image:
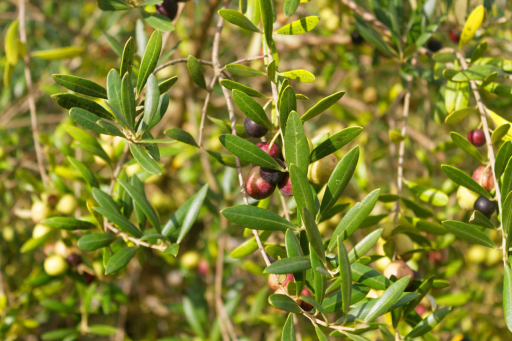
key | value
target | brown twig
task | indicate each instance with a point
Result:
(31, 102)
(401, 148)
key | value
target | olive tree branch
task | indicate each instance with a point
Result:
(401, 149)
(490, 150)
(30, 95)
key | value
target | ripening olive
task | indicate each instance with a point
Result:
(434, 45)
(320, 171)
(168, 8)
(254, 129)
(256, 187)
(285, 186)
(275, 151)
(357, 39)
(403, 245)
(485, 206)
(399, 269)
(273, 176)
(483, 175)
(476, 137)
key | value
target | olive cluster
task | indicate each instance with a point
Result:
(260, 183)
(469, 200)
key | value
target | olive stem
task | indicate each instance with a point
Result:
(490, 150)
(401, 150)
(30, 96)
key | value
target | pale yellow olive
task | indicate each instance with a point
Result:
(190, 260)
(403, 245)
(40, 230)
(370, 95)
(40, 211)
(55, 265)
(466, 198)
(320, 171)
(67, 204)
(399, 269)
(387, 229)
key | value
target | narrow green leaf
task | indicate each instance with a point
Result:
(196, 71)
(247, 151)
(320, 334)
(192, 213)
(477, 72)
(369, 277)
(252, 109)
(226, 160)
(81, 85)
(250, 246)
(149, 60)
(85, 171)
(181, 135)
(244, 70)
(105, 200)
(120, 220)
(322, 106)
(127, 57)
(68, 101)
(67, 223)
(339, 179)
(334, 302)
(345, 275)
(314, 237)
(256, 218)
(238, 19)
(502, 158)
(288, 333)
(458, 115)
(231, 85)
(387, 299)
(289, 265)
(284, 302)
(507, 295)
(334, 142)
(286, 104)
(428, 323)
(92, 242)
(499, 133)
(462, 179)
(299, 26)
(140, 200)
(466, 146)
(468, 233)
(302, 189)
(300, 75)
(293, 249)
(290, 6)
(144, 160)
(59, 53)
(120, 259)
(88, 120)
(354, 217)
(151, 103)
(128, 101)
(296, 145)
(364, 245)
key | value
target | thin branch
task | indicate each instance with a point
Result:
(490, 151)
(31, 102)
(136, 241)
(401, 149)
(180, 60)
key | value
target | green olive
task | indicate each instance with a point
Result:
(55, 265)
